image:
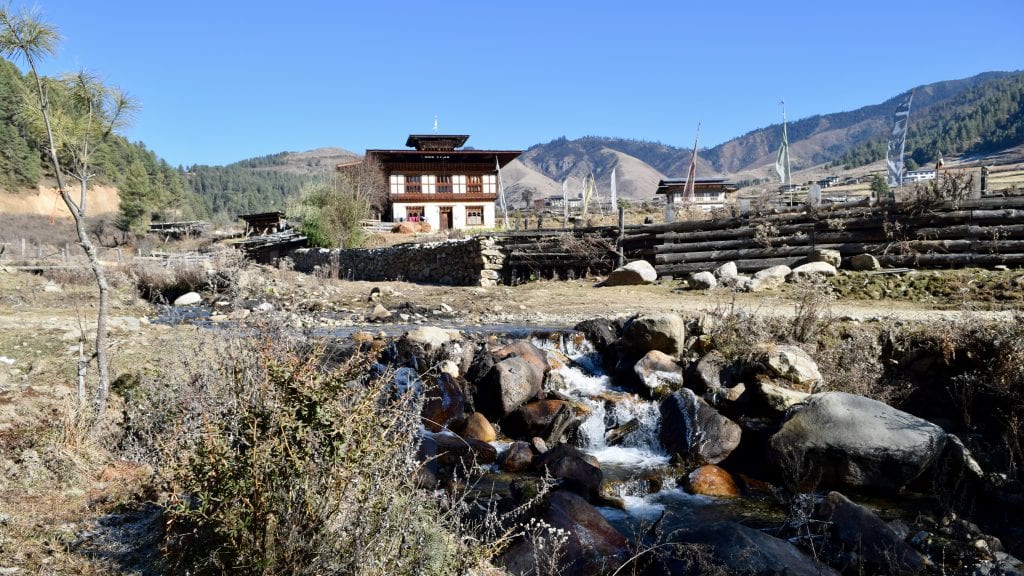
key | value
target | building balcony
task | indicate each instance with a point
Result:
(407, 198)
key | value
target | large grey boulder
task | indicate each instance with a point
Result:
(727, 274)
(748, 551)
(844, 440)
(662, 332)
(863, 262)
(703, 281)
(813, 270)
(767, 279)
(694, 431)
(632, 274)
(549, 420)
(508, 385)
(579, 471)
(431, 338)
(832, 257)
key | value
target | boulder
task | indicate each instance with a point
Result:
(752, 552)
(726, 274)
(812, 270)
(579, 471)
(444, 404)
(663, 332)
(527, 351)
(634, 273)
(453, 450)
(703, 281)
(860, 540)
(517, 458)
(380, 313)
(424, 226)
(825, 255)
(711, 373)
(508, 385)
(601, 332)
(767, 279)
(658, 370)
(864, 262)
(404, 228)
(790, 363)
(592, 546)
(188, 299)
(694, 431)
(550, 420)
(710, 480)
(431, 338)
(841, 439)
(479, 428)
(778, 398)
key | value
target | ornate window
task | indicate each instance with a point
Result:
(475, 185)
(444, 184)
(413, 213)
(474, 215)
(414, 184)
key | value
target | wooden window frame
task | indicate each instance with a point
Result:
(420, 212)
(475, 184)
(470, 218)
(444, 184)
(414, 184)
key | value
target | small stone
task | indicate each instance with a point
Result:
(710, 480)
(52, 287)
(703, 281)
(380, 313)
(188, 299)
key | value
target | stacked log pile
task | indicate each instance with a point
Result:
(982, 232)
(559, 254)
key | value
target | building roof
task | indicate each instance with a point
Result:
(436, 141)
(675, 184)
(503, 156)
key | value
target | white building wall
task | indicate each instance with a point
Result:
(489, 221)
(433, 213)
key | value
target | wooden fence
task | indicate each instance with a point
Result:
(983, 232)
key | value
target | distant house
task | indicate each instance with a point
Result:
(708, 193)
(912, 176)
(554, 201)
(440, 182)
(264, 223)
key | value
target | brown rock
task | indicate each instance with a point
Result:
(479, 428)
(517, 458)
(404, 228)
(710, 480)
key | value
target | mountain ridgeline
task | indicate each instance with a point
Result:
(981, 114)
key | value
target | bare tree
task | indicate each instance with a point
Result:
(86, 112)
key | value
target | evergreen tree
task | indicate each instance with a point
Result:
(135, 194)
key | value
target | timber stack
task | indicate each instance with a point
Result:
(983, 232)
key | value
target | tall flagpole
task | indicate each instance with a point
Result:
(789, 171)
(501, 192)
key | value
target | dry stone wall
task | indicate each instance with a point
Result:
(472, 262)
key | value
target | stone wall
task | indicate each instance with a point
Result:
(475, 261)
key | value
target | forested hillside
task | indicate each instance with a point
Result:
(263, 183)
(985, 118)
(149, 186)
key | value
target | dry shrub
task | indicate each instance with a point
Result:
(284, 460)
(813, 309)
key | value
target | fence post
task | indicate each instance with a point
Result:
(622, 235)
(23, 249)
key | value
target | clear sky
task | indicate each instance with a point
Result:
(221, 81)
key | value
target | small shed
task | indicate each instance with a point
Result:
(264, 223)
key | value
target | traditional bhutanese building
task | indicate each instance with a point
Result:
(708, 193)
(438, 181)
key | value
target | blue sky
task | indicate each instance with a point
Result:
(221, 81)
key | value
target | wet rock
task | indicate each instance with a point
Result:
(790, 363)
(479, 428)
(813, 270)
(632, 274)
(508, 385)
(547, 419)
(748, 551)
(710, 480)
(539, 445)
(616, 435)
(693, 431)
(517, 458)
(841, 439)
(703, 281)
(601, 332)
(188, 299)
(592, 547)
(726, 274)
(461, 453)
(579, 471)
(663, 332)
(444, 404)
(658, 370)
(865, 541)
(864, 262)
(527, 351)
